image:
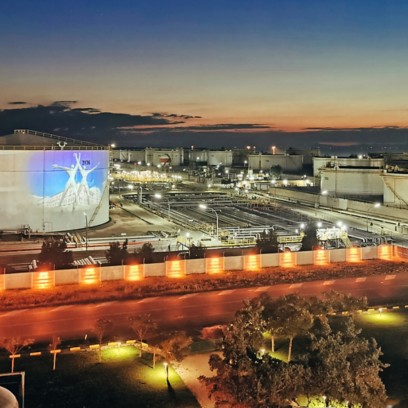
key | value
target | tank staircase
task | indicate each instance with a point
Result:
(98, 207)
(394, 191)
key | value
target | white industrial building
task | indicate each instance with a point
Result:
(210, 157)
(128, 155)
(264, 162)
(151, 156)
(352, 181)
(50, 183)
(364, 177)
(320, 163)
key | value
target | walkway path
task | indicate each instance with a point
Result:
(189, 370)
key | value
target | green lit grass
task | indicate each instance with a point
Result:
(390, 329)
(122, 380)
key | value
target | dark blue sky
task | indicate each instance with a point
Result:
(286, 65)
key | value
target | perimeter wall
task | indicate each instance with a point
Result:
(182, 267)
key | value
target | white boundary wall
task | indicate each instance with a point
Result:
(95, 274)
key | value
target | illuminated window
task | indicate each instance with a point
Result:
(252, 262)
(89, 275)
(321, 257)
(287, 259)
(42, 279)
(134, 272)
(385, 252)
(353, 254)
(176, 268)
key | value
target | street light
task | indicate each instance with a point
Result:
(204, 207)
(86, 233)
(166, 368)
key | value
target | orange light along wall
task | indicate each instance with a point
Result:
(353, 254)
(3, 282)
(89, 275)
(385, 252)
(43, 279)
(214, 265)
(133, 272)
(321, 257)
(252, 262)
(287, 259)
(176, 268)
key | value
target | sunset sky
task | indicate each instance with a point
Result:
(280, 65)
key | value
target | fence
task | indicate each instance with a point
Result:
(93, 274)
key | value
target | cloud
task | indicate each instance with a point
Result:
(176, 115)
(64, 103)
(160, 129)
(17, 103)
(84, 123)
(224, 127)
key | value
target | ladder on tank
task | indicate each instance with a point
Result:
(388, 184)
(98, 207)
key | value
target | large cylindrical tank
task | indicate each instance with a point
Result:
(7, 399)
(54, 190)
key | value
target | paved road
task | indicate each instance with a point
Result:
(191, 311)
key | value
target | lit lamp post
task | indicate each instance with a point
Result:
(204, 207)
(86, 233)
(166, 368)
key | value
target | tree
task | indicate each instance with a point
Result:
(14, 345)
(145, 253)
(196, 251)
(344, 366)
(175, 345)
(55, 342)
(142, 324)
(101, 327)
(336, 361)
(271, 317)
(294, 317)
(54, 252)
(267, 242)
(117, 253)
(309, 240)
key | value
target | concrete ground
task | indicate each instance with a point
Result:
(189, 370)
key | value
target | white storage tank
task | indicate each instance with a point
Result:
(395, 189)
(59, 186)
(352, 181)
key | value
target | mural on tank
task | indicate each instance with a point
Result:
(52, 190)
(70, 179)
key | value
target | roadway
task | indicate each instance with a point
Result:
(189, 311)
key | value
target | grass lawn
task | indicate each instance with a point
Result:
(390, 329)
(121, 380)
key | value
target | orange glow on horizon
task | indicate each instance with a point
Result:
(176, 268)
(42, 279)
(89, 276)
(134, 272)
(214, 265)
(287, 259)
(353, 254)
